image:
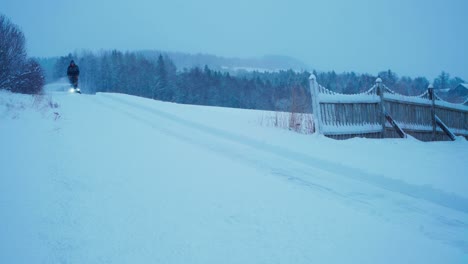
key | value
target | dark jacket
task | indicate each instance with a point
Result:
(73, 71)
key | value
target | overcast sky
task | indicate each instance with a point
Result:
(415, 38)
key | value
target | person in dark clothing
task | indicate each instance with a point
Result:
(73, 72)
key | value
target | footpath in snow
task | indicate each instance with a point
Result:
(121, 179)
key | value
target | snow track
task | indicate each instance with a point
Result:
(421, 192)
(319, 175)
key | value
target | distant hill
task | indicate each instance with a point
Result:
(268, 63)
(264, 63)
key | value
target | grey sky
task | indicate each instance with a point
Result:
(415, 38)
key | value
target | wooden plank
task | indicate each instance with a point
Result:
(445, 128)
(449, 108)
(397, 128)
(405, 102)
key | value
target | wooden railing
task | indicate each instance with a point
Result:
(380, 112)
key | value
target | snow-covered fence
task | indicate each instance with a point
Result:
(380, 112)
(345, 115)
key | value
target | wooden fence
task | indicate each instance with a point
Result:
(380, 112)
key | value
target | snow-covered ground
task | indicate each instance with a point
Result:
(111, 178)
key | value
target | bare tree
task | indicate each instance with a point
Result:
(30, 80)
(12, 52)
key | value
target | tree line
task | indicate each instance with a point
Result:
(133, 73)
(158, 78)
(18, 73)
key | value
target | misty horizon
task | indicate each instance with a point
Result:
(299, 65)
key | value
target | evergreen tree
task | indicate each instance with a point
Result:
(160, 89)
(442, 81)
(389, 78)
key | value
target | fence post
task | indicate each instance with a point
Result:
(314, 93)
(380, 92)
(430, 90)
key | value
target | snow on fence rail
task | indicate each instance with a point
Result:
(380, 112)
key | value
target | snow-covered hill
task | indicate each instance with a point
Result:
(111, 178)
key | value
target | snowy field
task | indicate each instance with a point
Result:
(111, 178)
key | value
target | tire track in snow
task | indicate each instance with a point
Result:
(316, 174)
(427, 193)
